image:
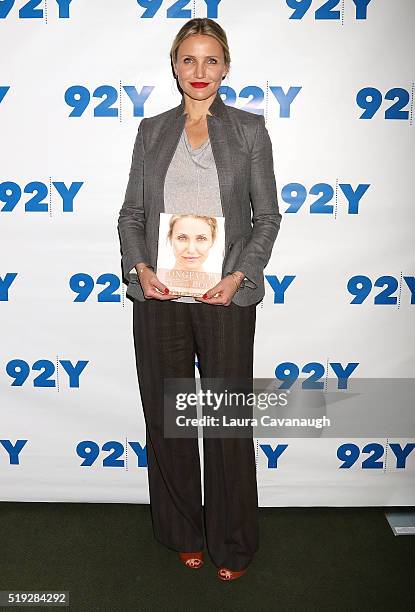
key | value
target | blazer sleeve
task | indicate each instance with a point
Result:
(266, 217)
(131, 220)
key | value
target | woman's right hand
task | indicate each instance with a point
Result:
(152, 287)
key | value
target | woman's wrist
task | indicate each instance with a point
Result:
(141, 267)
(238, 277)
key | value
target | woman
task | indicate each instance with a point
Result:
(201, 157)
(191, 238)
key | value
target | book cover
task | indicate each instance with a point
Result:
(190, 252)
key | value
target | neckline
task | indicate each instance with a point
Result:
(189, 146)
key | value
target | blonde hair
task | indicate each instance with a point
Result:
(211, 221)
(201, 25)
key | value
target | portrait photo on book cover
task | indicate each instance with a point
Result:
(190, 252)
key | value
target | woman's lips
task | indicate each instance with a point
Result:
(199, 85)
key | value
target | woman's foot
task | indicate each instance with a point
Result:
(194, 560)
(226, 574)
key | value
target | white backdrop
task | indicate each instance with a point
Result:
(70, 71)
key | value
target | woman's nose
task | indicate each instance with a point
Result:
(191, 247)
(200, 70)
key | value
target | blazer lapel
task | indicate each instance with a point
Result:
(219, 140)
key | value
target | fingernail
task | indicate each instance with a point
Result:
(204, 296)
(166, 290)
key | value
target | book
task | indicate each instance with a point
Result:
(190, 252)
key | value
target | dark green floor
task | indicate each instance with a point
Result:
(318, 559)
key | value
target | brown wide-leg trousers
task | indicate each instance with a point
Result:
(167, 337)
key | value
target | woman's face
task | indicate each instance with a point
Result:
(191, 241)
(200, 61)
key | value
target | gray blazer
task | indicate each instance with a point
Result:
(242, 150)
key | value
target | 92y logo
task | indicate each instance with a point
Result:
(370, 99)
(394, 291)
(79, 97)
(296, 195)
(20, 370)
(11, 195)
(12, 450)
(3, 91)
(33, 9)
(177, 9)
(326, 10)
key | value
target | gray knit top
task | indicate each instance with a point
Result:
(192, 184)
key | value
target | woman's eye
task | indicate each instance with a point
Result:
(201, 238)
(186, 60)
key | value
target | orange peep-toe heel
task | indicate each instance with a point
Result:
(226, 574)
(194, 560)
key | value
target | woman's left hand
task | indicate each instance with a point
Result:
(223, 292)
